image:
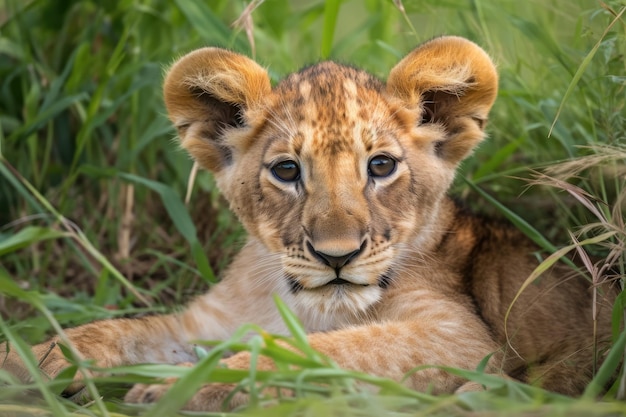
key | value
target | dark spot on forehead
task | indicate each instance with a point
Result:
(334, 147)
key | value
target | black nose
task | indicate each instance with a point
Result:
(335, 262)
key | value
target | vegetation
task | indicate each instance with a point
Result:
(97, 218)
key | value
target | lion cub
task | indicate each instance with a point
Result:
(340, 180)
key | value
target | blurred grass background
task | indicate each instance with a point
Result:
(93, 217)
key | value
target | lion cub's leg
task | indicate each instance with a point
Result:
(396, 349)
(151, 339)
(109, 343)
(444, 333)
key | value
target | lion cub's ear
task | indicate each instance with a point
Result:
(208, 91)
(453, 82)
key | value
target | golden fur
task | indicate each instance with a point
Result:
(340, 181)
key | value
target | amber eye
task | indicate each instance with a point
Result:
(287, 171)
(381, 166)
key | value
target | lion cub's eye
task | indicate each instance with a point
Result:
(287, 171)
(381, 166)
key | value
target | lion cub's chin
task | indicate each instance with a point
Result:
(330, 306)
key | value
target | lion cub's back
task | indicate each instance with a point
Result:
(544, 322)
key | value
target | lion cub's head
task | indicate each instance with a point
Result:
(339, 173)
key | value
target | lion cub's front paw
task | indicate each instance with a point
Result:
(470, 386)
(151, 393)
(147, 393)
(211, 397)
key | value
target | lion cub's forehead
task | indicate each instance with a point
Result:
(330, 108)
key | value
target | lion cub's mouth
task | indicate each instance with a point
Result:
(341, 281)
(296, 286)
(340, 284)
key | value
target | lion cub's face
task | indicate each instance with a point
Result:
(336, 172)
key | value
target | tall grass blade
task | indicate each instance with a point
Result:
(212, 30)
(180, 216)
(607, 371)
(44, 115)
(27, 237)
(520, 223)
(12, 176)
(581, 69)
(297, 331)
(331, 11)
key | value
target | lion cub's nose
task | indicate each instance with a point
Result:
(336, 260)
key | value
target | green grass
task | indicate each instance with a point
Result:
(93, 217)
